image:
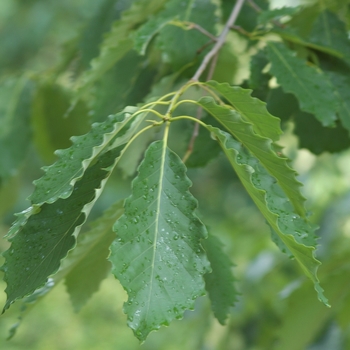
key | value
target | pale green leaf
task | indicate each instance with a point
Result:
(15, 106)
(294, 231)
(59, 178)
(157, 255)
(307, 83)
(220, 282)
(261, 147)
(251, 109)
(276, 14)
(39, 245)
(118, 41)
(87, 265)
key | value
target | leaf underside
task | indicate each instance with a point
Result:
(261, 147)
(38, 247)
(294, 233)
(157, 255)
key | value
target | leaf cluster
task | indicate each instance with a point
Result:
(140, 77)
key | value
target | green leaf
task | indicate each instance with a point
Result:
(340, 81)
(157, 255)
(315, 137)
(87, 265)
(220, 282)
(328, 30)
(258, 79)
(251, 109)
(52, 128)
(15, 106)
(281, 104)
(261, 147)
(59, 178)
(97, 26)
(179, 46)
(294, 231)
(38, 247)
(308, 84)
(276, 14)
(145, 33)
(118, 41)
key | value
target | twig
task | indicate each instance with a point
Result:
(220, 40)
(196, 26)
(199, 113)
(256, 7)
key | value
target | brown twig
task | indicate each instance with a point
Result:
(199, 113)
(196, 26)
(220, 40)
(256, 7)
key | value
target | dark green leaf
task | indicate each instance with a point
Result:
(38, 247)
(220, 282)
(157, 256)
(307, 83)
(258, 79)
(281, 104)
(52, 125)
(315, 137)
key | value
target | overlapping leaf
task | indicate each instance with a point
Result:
(251, 109)
(220, 282)
(38, 247)
(328, 30)
(15, 106)
(157, 255)
(294, 231)
(261, 147)
(59, 178)
(51, 128)
(118, 41)
(308, 84)
(87, 265)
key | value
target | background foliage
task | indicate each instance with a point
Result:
(65, 65)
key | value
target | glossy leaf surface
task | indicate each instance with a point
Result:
(157, 255)
(38, 247)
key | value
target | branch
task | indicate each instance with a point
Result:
(221, 40)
